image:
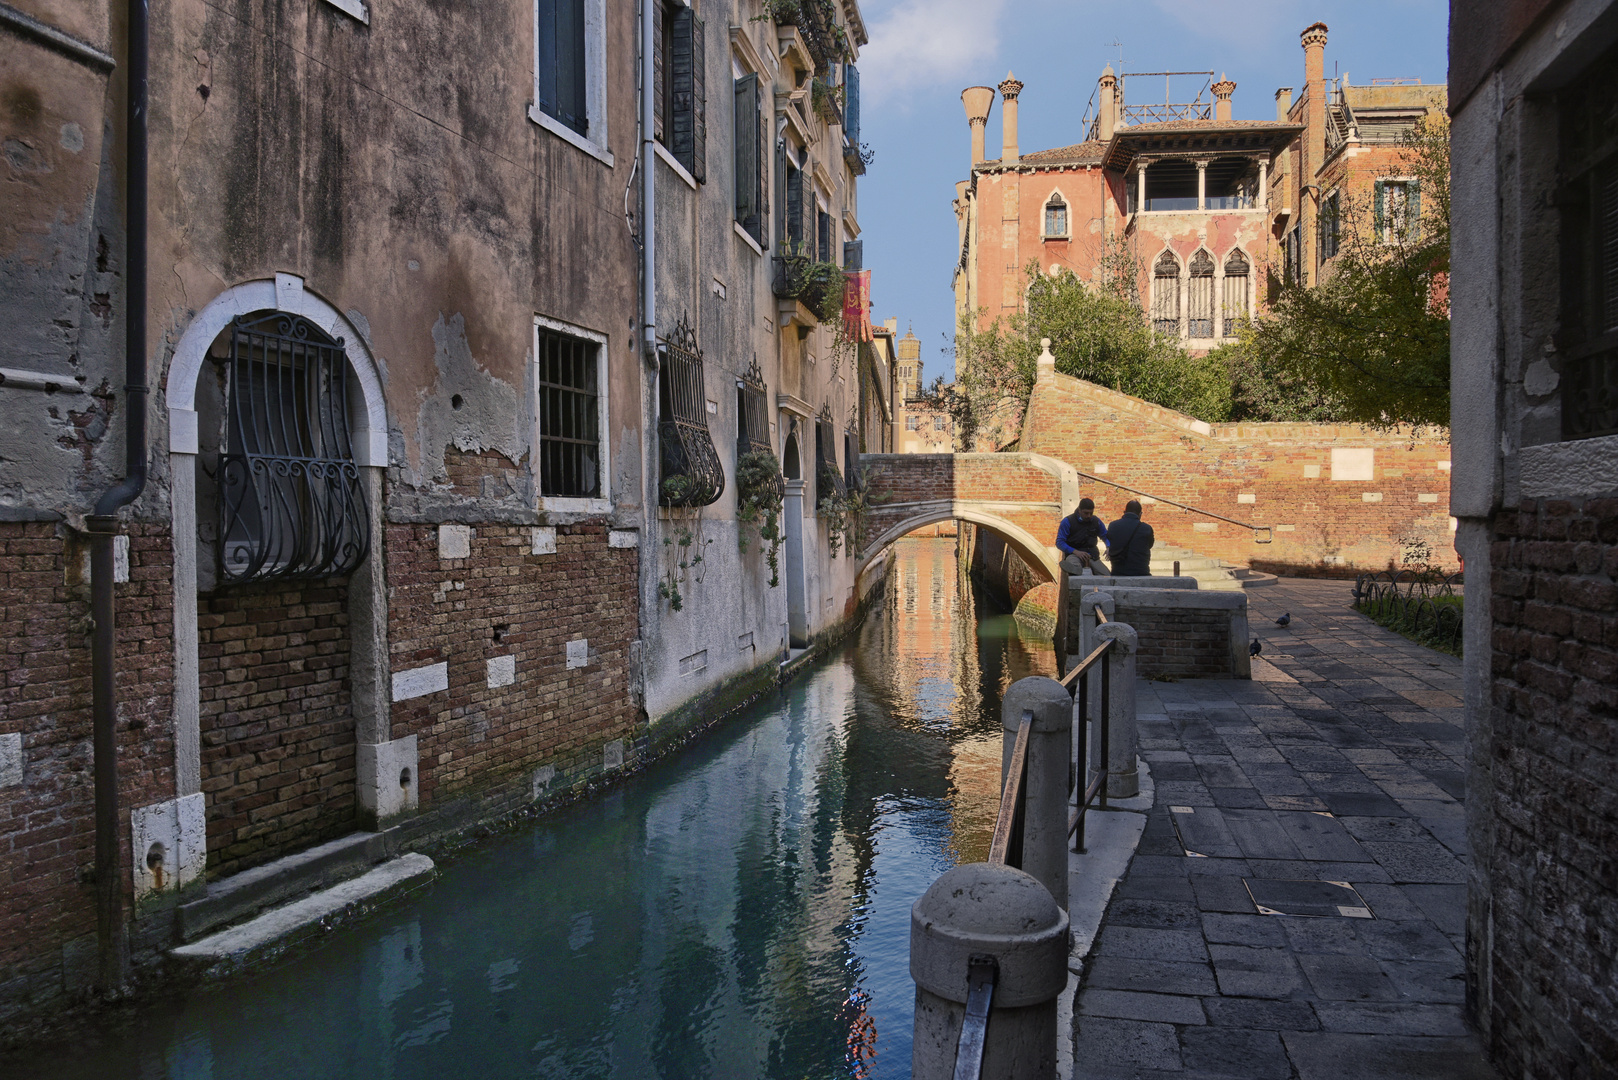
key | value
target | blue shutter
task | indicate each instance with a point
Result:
(851, 106)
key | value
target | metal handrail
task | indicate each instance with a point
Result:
(1006, 847)
(1267, 530)
(981, 974)
(1101, 616)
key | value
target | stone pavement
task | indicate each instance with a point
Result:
(1328, 788)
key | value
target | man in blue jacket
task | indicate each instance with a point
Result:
(1078, 537)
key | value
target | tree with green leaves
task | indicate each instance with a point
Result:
(1370, 342)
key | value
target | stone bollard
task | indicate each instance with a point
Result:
(996, 911)
(1123, 779)
(1050, 744)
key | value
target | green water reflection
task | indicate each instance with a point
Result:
(739, 910)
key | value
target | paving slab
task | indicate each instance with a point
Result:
(1338, 772)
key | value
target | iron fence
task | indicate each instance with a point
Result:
(1422, 603)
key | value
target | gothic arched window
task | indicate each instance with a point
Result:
(1200, 303)
(1166, 294)
(1056, 217)
(1235, 299)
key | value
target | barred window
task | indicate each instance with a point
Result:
(752, 413)
(291, 505)
(828, 478)
(1166, 294)
(1200, 303)
(690, 471)
(1236, 274)
(1588, 339)
(569, 415)
(1330, 226)
(1292, 255)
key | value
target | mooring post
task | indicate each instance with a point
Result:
(1123, 736)
(973, 915)
(1050, 743)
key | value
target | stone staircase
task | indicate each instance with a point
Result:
(1211, 573)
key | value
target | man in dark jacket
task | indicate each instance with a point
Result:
(1078, 537)
(1129, 543)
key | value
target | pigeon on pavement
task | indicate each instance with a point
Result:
(1255, 648)
(1284, 620)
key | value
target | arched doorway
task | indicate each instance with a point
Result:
(792, 523)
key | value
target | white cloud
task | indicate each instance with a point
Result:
(923, 44)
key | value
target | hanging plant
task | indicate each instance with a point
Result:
(684, 544)
(844, 510)
(759, 493)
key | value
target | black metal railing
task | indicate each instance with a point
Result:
(1087, 789)
(1424, 604)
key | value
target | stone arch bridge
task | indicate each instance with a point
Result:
(1020, 497)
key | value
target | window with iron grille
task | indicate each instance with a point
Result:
(559, 70)
(691, 474)
(752, 413)
(1588, 337)
(679, 96)
(1292, 255)
(569, 415)
(828, 478)
(1236, 274)
(291, 504)
(1166, 294)
(1200, 299)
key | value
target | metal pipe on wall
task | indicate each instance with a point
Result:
(111, 931)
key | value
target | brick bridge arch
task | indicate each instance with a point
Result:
(1021, 497)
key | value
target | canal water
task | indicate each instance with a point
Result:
(740, 909)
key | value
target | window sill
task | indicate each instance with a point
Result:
(558, 505)
(748, 238)
(674, 163)
(1056, 239)
(567, 134)
(355, 8)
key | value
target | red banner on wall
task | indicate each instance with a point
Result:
(857, 304)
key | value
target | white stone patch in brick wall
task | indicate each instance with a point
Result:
(578, 653)
(11, 759)
(1371, 496)
(1453, 525)
(542, 780)
(612, 755)
(1443, 466)
(421, 681)
(623, 538)
(1333, 560)
(502, 670)
(120, 561)
(544, 540)
(1286, 528)
(455, 541)
(1427, 498)
(1311, 472)
(1247, 497)
(1101, 468)
(1204, 526)
(1353, 463)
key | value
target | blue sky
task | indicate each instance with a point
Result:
(923, 53)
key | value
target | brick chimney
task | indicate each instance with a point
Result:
(1109, 104)
(1283, 103)
(1314, 74)
(1008, 120)
(1222, 91)
(978, 101)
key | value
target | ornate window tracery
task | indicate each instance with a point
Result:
(1200, 305)
(1235, 298)
(1166, 294)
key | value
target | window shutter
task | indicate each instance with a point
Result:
(780, 197)
(1413, 210)
(824, 236)
(688, 133)
(854, 255)
(794, 237)
(851, 106)
(747, 150)
(660, 78)
(559, 65)
(1377, 213)
(763, 116)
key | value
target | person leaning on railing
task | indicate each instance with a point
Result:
(1129, 543)
(1079, 536)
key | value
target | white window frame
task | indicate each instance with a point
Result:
(568, 504)
(595, 85)
(1067, 214)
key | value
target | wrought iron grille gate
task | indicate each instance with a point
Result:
(291, 501)
(691, 472)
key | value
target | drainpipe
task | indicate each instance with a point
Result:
(648, 177)
(111, 932)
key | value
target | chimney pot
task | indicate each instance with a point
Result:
(1283, 103)
(1108, 122)
(978, 100)
(1008, 120)
(1222, 91)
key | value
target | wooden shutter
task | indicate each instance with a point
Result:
(1413, 210)
(688, 131)
(780, 197)
(823, 237)
(1377, 212)
(794, 236)
(747, 151)
(851, 105)
(854, 255)
(660, 78)
(559, 65)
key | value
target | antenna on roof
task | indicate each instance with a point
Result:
(1120, 47)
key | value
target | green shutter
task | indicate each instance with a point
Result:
(747, 150)
(1413, 210)
(780, 196)
(688, 133)
(793, 236)
(1376, 218)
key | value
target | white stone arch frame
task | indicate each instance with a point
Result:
(377, 755)
(1041, 556)
(1215, 284)
(1219, 285)
(1056, 195)
(1181, 282)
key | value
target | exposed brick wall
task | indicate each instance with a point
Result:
(502, 601)
(897, 480)
(1180, 644)
(1323, 525)
(47, 826)
(277, 730)
(1554, 871)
